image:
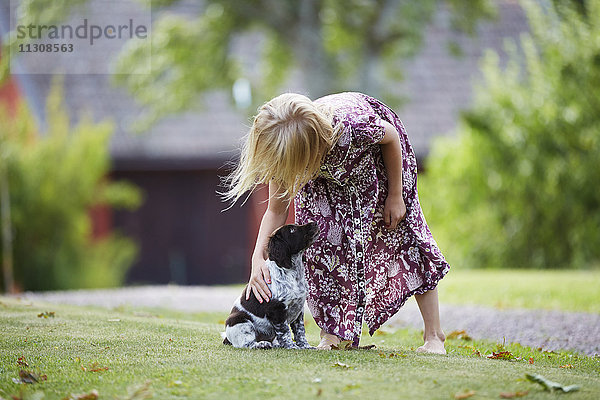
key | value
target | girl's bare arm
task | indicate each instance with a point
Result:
(274, 217)
(394, 209)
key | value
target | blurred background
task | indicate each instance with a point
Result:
(110, 176)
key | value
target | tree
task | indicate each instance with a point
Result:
(335, 45)
(519, 186)
(53, 181)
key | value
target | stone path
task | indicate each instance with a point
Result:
(551, 330)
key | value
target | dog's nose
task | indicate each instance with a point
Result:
(313, 227)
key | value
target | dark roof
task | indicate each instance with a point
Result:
(437, 85)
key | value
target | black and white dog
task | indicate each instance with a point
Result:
(264, 325)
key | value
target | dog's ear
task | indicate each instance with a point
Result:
(279, 252)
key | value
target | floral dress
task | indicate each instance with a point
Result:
(357, 269)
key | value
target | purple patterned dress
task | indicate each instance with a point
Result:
(358, 269)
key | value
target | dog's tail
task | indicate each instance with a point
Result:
(225, 340)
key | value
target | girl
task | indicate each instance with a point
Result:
(346, 162)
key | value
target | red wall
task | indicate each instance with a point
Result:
(9, 94)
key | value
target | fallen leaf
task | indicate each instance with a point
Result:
(343, 345)
(550, 385)
(319, 392)
(464, 395)
(391, 355)
(566, 366)
(94, 367)
(368, 347)
(501, 355)
(30, 377)
(93, 395)
(512, 395)
(546, 351)
(459, 335)
(46, 314)
(341, 365)
(22, 362)
(530, 360)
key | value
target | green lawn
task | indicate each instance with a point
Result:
(566, 290)
(167, 355)
(556, 290)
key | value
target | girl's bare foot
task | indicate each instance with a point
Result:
(434, 343)
(430, 310)
(327, 341)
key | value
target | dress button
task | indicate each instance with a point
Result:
(352, 188)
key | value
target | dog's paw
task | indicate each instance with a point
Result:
(289, 345)
(304, 346)
(262, 345)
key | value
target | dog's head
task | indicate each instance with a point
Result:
(290, 240)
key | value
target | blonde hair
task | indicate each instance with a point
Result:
(286, 144)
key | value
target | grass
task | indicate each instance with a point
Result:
(573, 290)
(170, 355)
(564, 290)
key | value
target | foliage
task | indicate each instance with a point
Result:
(54, 181)
(332, 44)
(518, 188)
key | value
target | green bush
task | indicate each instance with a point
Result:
(54, 179)
(519, 186)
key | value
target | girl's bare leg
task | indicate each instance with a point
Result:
(430, 311)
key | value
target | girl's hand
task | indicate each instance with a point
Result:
(259, 277)
(394, 211)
